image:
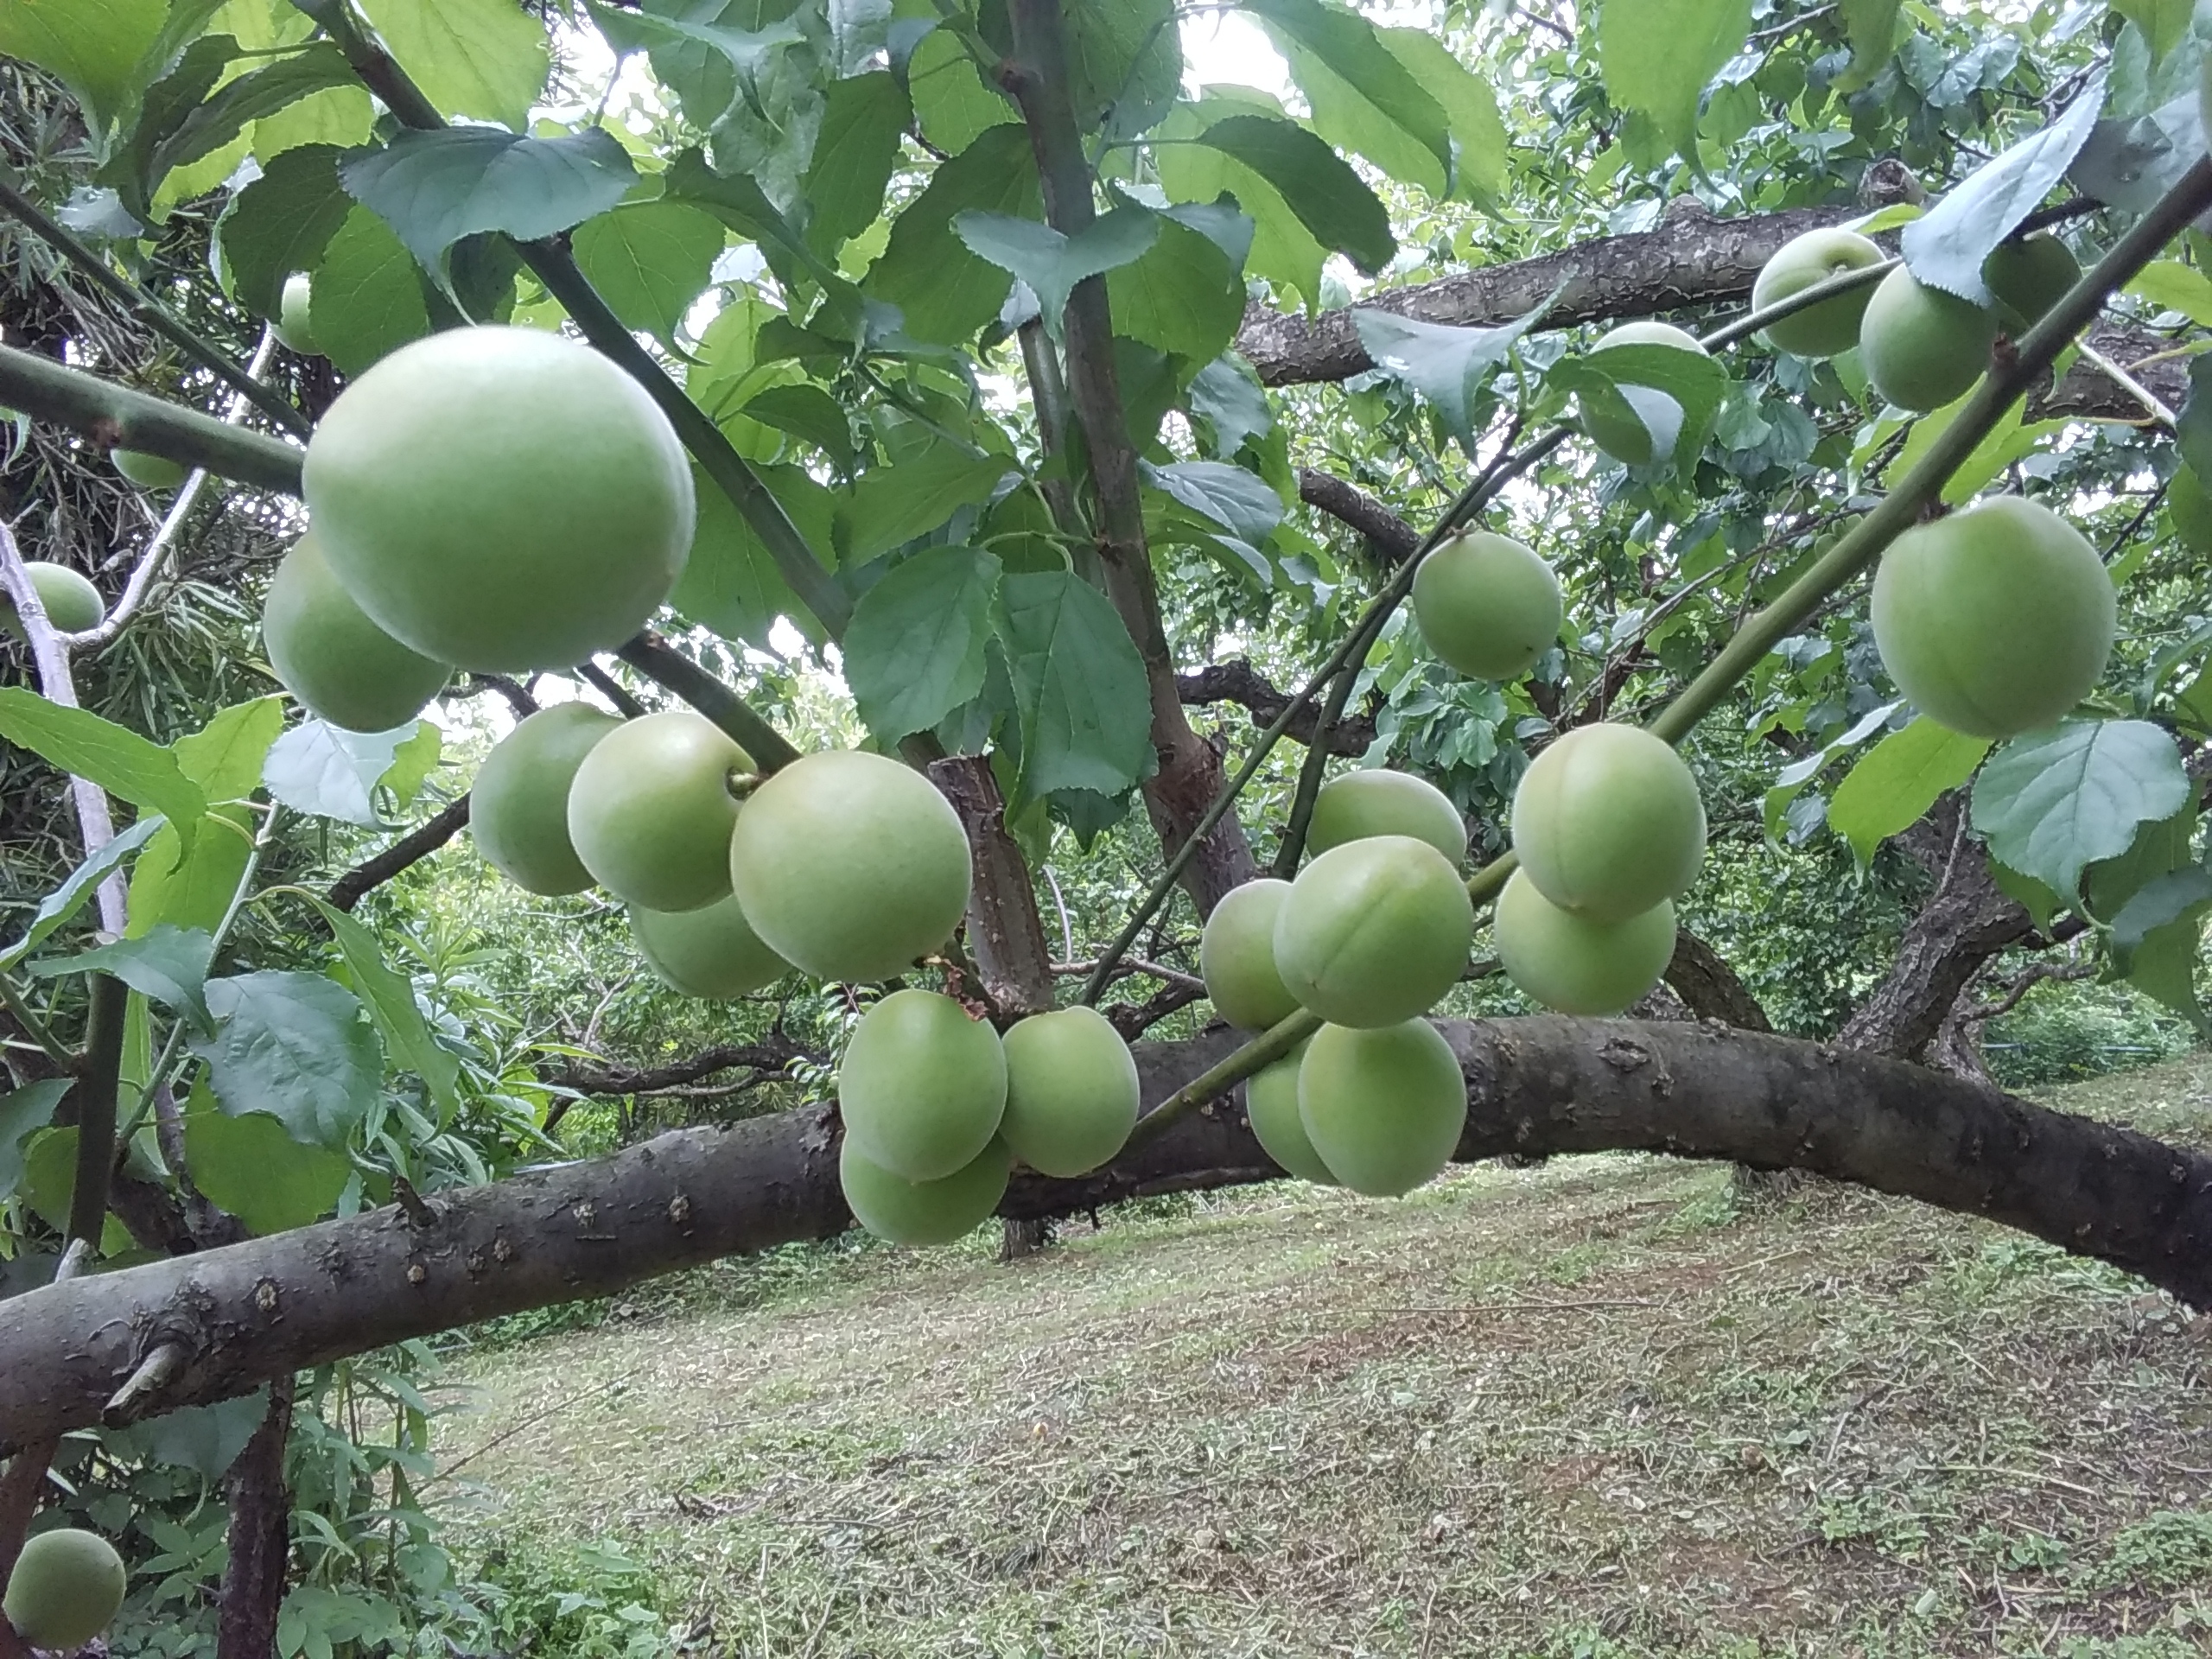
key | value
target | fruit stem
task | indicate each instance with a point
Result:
(115, 415)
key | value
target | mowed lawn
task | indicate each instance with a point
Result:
(1593, 1407)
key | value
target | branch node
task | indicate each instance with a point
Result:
(137, 1395)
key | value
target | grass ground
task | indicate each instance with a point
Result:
(1590, 1408)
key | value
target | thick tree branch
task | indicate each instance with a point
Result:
(260, 1539)
(349, 889)
(768, 1057)
(1236, 681)
(1709, 988)
(1005, 931)
(1393, 539)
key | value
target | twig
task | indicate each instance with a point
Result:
(658, 661)
(2127, 383)
(111, 415)
(349, 889)
(1129, 965)
(612, 689)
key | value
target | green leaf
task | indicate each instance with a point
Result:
(413, 761)
(390, 998)
(165, 105)
(2051, 803)
(436, 188)
(275, 86)
(854, 153)
(2174, 286)
(953, 102)
(1052, 263)
(281, 223)
(484, 57)
(1656, 56)
(1078, 686)
(914, 650)
(2164, 23)
(1125, 64)
(206, 1440)
(650, 261)
(58, 907)
(1283, 251)
(94, 47)
(739, 203)
(1894, 783)
(1446, 364)
(1363, 98)
(806, 411)
(368, 294)
(318, 769)
(249, 1166)
(1477, 131)
(1182, 295)
(1945, 247)
(891, 506)
(225, 757)
(168, 965)
(294, 1045)
(192, 889)
(746, 51)
(49, 1182)
(1675, 393)
(114, 757)
(24, 1112)
(1229, 398)
(1871, 26)
(1241, 502)
(1330, 201)
(944, 292)
(730, 584)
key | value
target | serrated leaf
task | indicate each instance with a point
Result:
(650, 261)
(2161, 900)
(390, 998)
(2051, 803)
(295, 1046)
(730, 583)
(168, 965)
(1330, 200)
(1183, 295)
(1656, 56)
(891, 506)
(225, 757)
(207, 1440)
(2164, 23)
(1478, 139)
(1228, 397)
(914, 649)
(2129, 162)
(1446, 364)
(249, 1166)
(24, 1112)
(281, 223)
(433, 189)
(484, 57)
(952, 101)
(58, 907)
(1078, 687)
(192, 889)
(1894, 783)
(1677, 394)
(745, 50)
(806, 411)
(1125, 64)
(114, 757)
(944, 291)
(278, 84)
(1282, 250)
(858, 145)
(166, 105)
(1242, 503)
(2173, 286)
(318, 769)
(1363, 98)
(94, 47)
(368, 293)
(1052, 263)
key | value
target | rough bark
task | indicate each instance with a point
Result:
(265, 1307)
(1236, 681)
(1390, 537)
(1005, 933)
(1708, 987)
(260, 1536)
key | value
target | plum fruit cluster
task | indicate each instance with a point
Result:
(67, 1587)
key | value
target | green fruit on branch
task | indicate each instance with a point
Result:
(1236, 956)
(2189, 509)
(501, 499)
(294, 323)
(1996, 621)
(1573, 964)
(1487, 605)
(1608, 822)
(710, 952)
(850, 864)
(67, 1587)
(650, 812)
(1271, 1106)
(1616, 430)
(922, 1087)
(2028, 277)
(72, 604)
(1379, 802)
(148, 472)
(1385, 1109)
(1071, 1092)
(1374, 932)
(1922, 347)
(922, 1212)
(518, 805)
(339, 664)
(1831, 326)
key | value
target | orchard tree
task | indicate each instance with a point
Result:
(975, 352)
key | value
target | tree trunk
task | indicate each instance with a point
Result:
(260, 1536)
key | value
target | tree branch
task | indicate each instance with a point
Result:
(769, 1056)
(1005, 931)
(349, 889)
(1393, 539)
(1236, 681)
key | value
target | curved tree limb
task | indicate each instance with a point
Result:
(349, 889)
(1236, 681)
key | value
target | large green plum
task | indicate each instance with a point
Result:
(1374, 932)
(2028, 277)
(1572, 964)
(72, 604)
(518, 806)
(1995, 620)
(1271, 1105)
(922, 1087)
(850, 864)
(649, 812)
(1383, 1108)
(1236, 956)
(295, 323)
(709, 952)
(1070, 1092)
(67, 1587)
(1379, 802)
(1923, 347)
(922, 1212)
(1617, 431)
(148, 472)
(1831, 326)
(1487, 605)
(340, 665)
(1608, 822)
(501, 499)
(2189, 509)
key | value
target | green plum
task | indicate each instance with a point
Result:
(1831, 326)
(67, 1587)
(922, 1087)
(72, 604)
(941, 1211)
(1374, 932)
(1572, 964)
(1616, 430)
(650, 812)
(1379, 802)
(518, 806)
(1384, 1108)
(2028, 277)
(1608, 822)
(339, 664)
(1923, 347)
(148, 472)
(1487, 605)
(1236, 956)
(711, 952)
(1071, 1094)
(1271, 1106)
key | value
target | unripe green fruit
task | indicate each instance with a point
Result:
(340, 665)
(66, 1588)
(2029, 278)
(148, 472)
(1996, 621)
(501, 499)
(850, 864)
(1271, 1105)
(710, 952)
(2190, 511)
(1487, 605)
(1608, 822)
(649, 812)
(1374, 932)
(1383, 1108)
(922, 1087)
(1071, 1093)
(922, 1212)
(294, 324)
(72, 604)
(1923, 347)
(1832, 326)
(1379, 802)
(1572, 964)
(1618, 432)
(1236, 956)
(518, 806)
